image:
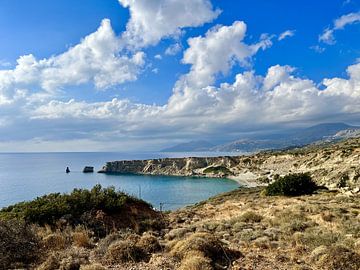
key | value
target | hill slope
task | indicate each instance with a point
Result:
(330, 164)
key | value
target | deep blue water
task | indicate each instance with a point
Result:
(24, 176)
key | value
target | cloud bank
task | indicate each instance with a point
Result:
(34, 111)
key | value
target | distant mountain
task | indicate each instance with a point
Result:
(299, 137)
(249, 145)
(318, 132)
(192, 146)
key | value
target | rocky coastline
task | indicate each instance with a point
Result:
(331, 165)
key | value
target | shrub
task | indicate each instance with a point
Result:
(250, 217)
(292, 185)
(148, 243)
(315, 237)
(195, 260)
(124, 251)
(104, 243)
(54, 241)
(339, 257)
(217, 169)
(208, 245)
(69, 259)
(18, 244)
(81, 239)
(50, 208)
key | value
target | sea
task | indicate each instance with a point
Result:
(25, 176)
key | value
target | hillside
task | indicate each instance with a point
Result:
(330, 164)
(243, 229)
(238, 230)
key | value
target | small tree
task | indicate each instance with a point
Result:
(292, 185)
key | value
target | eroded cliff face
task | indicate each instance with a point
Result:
(332, 165)
(192, 166)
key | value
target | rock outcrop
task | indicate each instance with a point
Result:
(332, 165)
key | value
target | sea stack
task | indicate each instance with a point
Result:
(88, 169)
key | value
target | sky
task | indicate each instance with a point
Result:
(140, 75)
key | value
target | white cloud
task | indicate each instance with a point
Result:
(218, 51)
(95, 59)
(287, 33)
(328, 35)
(173, 49)
(150, 21)
(32, 110)
(158, 57)
(250, 102)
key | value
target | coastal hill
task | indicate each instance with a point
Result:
(330, 164)
(245, 229)
(292, 138)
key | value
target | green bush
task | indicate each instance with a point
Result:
(292, 185)
(50, 208)
(217, 169)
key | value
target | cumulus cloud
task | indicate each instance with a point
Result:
(29, 92)
(95, 60)
(328, 35)
(200, 107)
(150, 21)
(287, 33)
(218, 51)
(251, 101)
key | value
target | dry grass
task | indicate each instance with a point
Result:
(95, 266)
(149, 243)
(248, 217)
(81, 239)
(124, 251)
(68, 259)
(54, 241)
(338, 257)
(206, 244)
(275, 233)
(195, 260)
(202, 242)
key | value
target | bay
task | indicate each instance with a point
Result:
(24, 176)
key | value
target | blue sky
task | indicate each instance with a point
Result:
(116, 86)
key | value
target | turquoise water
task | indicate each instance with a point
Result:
(24, 176)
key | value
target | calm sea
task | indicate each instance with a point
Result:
(24, 176)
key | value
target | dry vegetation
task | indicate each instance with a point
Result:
(320, 231)
(242, 229)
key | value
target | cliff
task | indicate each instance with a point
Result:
(333, 165)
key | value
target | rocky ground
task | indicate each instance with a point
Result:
(241, 229)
